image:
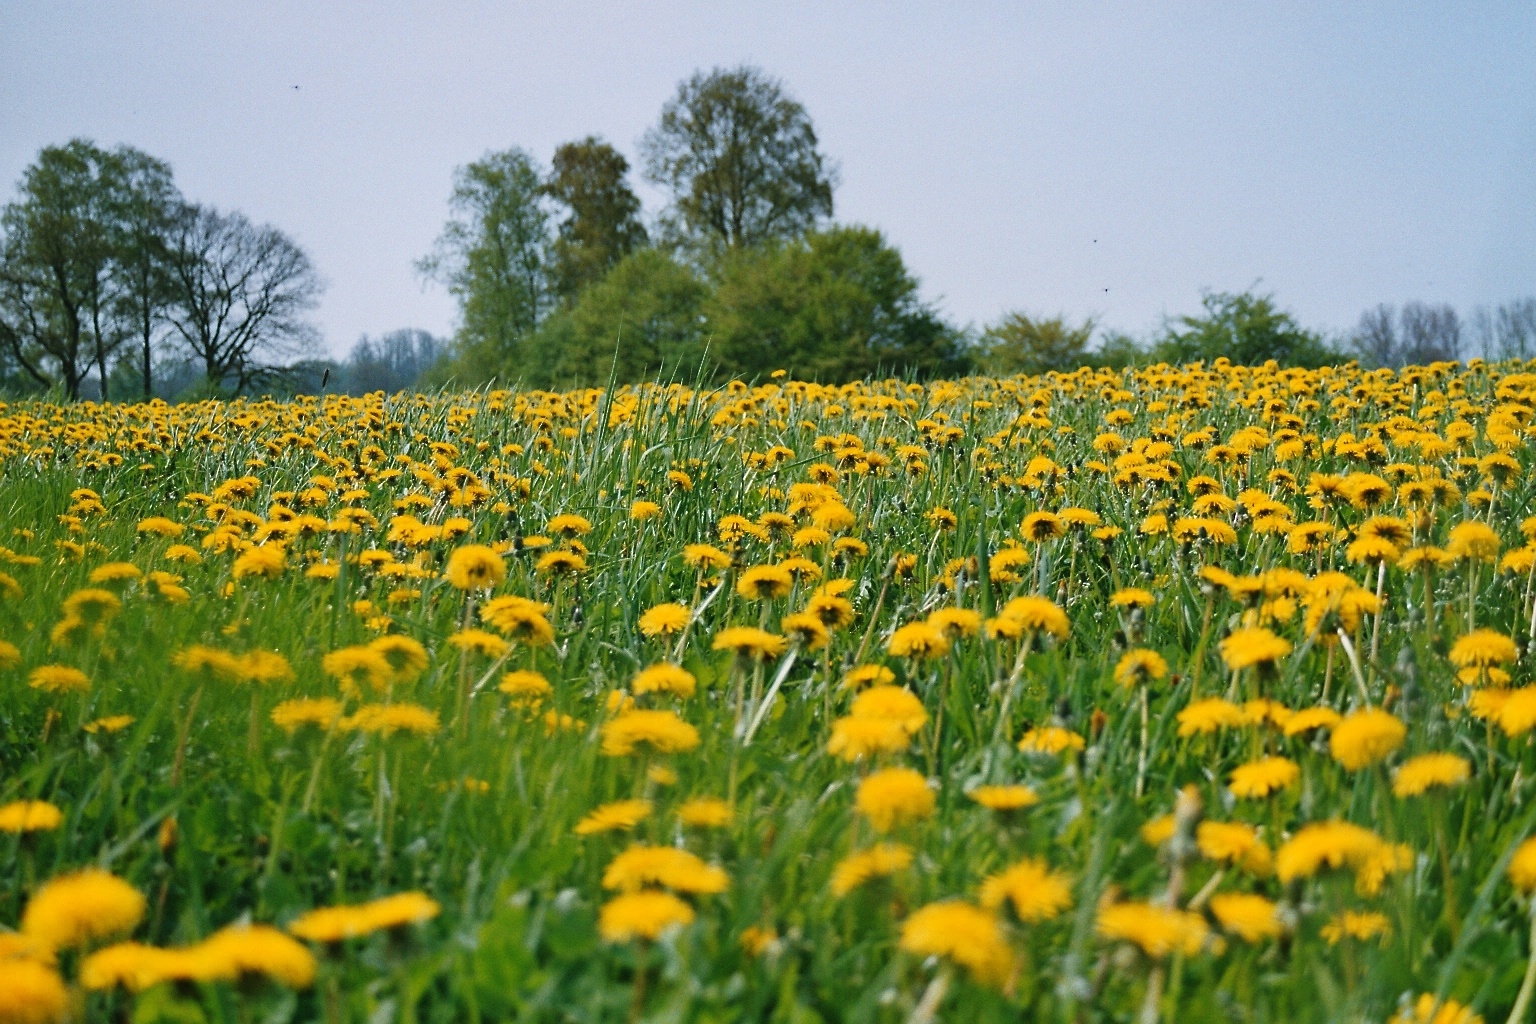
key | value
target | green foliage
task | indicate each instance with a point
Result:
(1021, 344)
(835, 305)
(643, 320)
(1246, 328)
(588, 178)
(740, 159)
(494, 255)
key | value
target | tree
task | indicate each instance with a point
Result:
(642, 321)
(740, 159)
(239, 293)
(1416, 334)
(56, 266)
(494, 256)
(144, 217)
(603, 225)
(1431, 333)
(1509, 332)
(394, 362)
(834, 305)
(1247, 329)
(1375, 339)
(1021, 344)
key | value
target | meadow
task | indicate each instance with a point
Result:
(1176, 693)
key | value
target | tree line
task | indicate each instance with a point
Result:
(104, 266)
(112, 284)
(560, 281)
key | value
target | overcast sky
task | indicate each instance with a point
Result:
(1092, 159)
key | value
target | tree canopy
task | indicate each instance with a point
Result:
(740, 159)
(602, 225)
(1246, 328)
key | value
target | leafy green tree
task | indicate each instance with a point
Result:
(741, 161)
(642, 321)
(145, 213)
(603, 221)
(1246, 328)
(56, 266)
(833, 305)
(1019, 343)
(495, 257)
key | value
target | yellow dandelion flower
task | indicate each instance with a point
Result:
(1427, 771)
(1254, 646)
(705, 812)
(894, 796)
(21, 816)
(87, 906)
(58, 679)
(967, 935)
(1051, 740)
(1157, 930)
(1366, 737)
(665, 620)
(644, 915)
(1139, 667)
(1355, 924)
(665, 866)
(1203, 717)
(662, 731)
(879, 861)
(1035, 892)
(918, 640)
(1250, 917)
(1258, 779)
(621, 815)
(475, 567)
(1004, 798)
(749, 642)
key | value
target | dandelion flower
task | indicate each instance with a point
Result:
(1253, 647)
(1157, 930)
(58, 679)
(76, 909)
(764, 583)
(891, 703)
(1037, 615)
(665, 866)
(1250, 917)
(664, 620)
(1354, 924)
(1233, 842)
(1366, 737)
(1203, 717)
(879, 861)
(1051, 740)
(861, 676)
(662, 731)
(265, 560)
(1418, 774)
(705, 812)
(1522, 867)
(749, 642)
(1429, 1010)
(22, 816)
(645, 915)
(1258, 779)
(322, 712)
(32, 993)
(621, 815)
(1035, 891)
(388, 719)
(475, 567)
(1004, 798)
(967, 935)
(334, 924)
(894, 796)
(1140, 667)
(918, 640)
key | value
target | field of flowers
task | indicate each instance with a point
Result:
(1172, 694)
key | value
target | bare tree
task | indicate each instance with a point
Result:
(1376, 338)
(1514, 326)
(240, 294)
(1430, 333)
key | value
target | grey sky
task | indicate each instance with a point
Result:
(1105, 159)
